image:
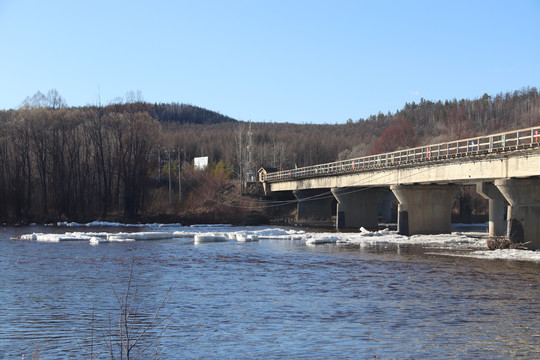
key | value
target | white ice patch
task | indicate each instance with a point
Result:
(90, 224)
(95, 238)
(41, 237)
(364, 237)
(146, 235)
(473, 242)
(504, 254)
(29, 236)
(209, 237)
(112, 224)
(176, 225)
(184, 234)
(118, 238)
(250, 233)
(243, 237)
(322, 238)
(210, 225)
(386, 236)
(281, 234)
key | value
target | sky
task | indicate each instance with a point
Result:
(274, 61)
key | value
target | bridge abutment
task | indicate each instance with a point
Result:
(424, 209)
(497, 204)
(523, 195)
(357, 207)
(315, 204)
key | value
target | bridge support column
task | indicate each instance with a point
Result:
(523, 195)
(424, 209)
(497, 203)
(357, 207)
(313, 205)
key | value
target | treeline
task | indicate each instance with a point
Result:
(70, 163)
(79, 163)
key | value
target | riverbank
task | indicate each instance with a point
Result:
(188, 218)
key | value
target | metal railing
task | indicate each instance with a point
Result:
(476, 146)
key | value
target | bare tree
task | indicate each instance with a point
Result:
(52, 100)
(136, 333)
(134, 97)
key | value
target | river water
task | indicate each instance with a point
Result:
(376, 296)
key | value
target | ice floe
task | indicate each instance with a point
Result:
(210, 225)
(386, 236)
(42, 237)
(280, 234)
(145, 235)
(110, 224)
(209, 237)
(472, 244)
(503, 254)
(94, 240)
(243, 237)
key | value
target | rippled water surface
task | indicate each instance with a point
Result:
(266, 299)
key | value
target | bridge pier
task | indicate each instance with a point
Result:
(357, 207)
(496, 203)
(316, 204)
(523, 195)
(424, 209)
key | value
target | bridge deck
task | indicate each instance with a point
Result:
(501, 145)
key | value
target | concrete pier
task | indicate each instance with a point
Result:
(497, 204)
(357, 207)
(315, 204)
(523, 195)
(424, 209)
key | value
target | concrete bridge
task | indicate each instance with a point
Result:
(505, 168)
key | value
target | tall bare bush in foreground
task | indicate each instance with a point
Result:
(137, 333)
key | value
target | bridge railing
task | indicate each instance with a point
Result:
(458, 148)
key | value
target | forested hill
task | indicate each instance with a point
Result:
(429, 122)
(173, 113)
(59, 162)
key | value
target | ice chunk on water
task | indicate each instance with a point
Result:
(55, 237)
(146, 235)
(217, 233)
(209, 237)
(243, 237)
(32, 236)
(280, 234)
(184, 234)
(322, 238)
(118, 238)
(508, 254)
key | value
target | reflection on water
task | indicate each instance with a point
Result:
(268, 299)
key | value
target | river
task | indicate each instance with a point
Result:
(292, 294)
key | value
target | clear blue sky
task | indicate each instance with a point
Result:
(279, 61)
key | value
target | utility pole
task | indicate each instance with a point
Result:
(170, 188)
(250, 149)
(179, 176)
(249, 162)
(159, 163)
